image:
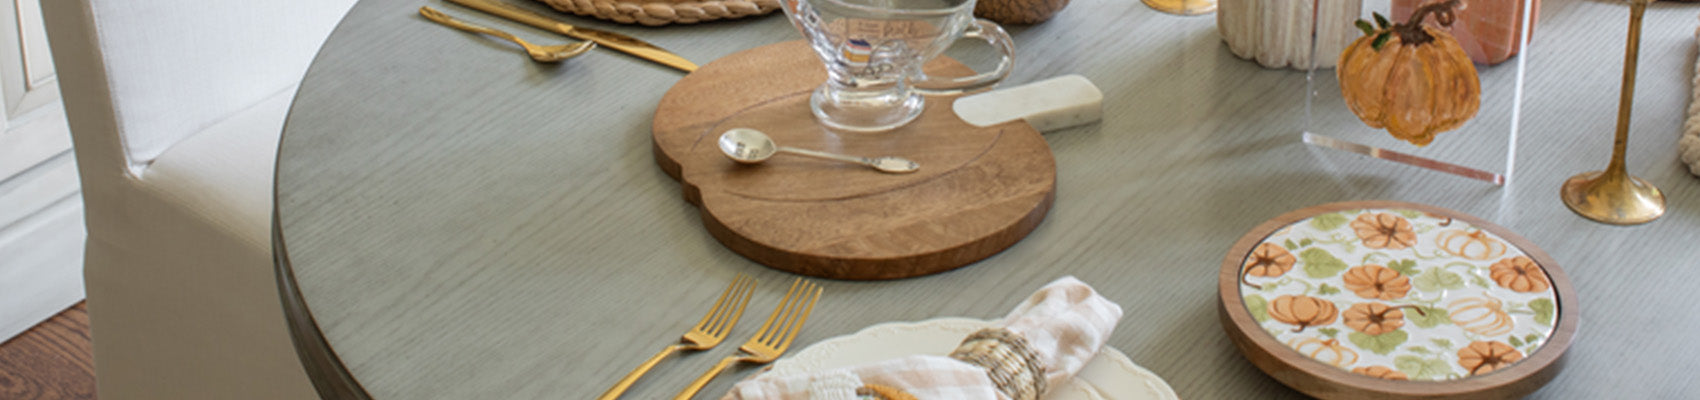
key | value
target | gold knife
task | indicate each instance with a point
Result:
(611, 40)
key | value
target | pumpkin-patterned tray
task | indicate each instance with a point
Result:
(1396, 300)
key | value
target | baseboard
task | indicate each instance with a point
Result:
(41, 265)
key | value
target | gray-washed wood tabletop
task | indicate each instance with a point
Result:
(465, 223)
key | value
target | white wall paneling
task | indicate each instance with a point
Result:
(41, 211)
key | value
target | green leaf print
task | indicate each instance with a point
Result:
(1320, 264)
(1329, 332)
(1327, 290)
(1380, 344)
(1419, 350)
(1328, 222)
(1258, 306)
(1444, 343)
(1306, 242)
(1532, 339)
(1412, 214)
(1418, 368)
(1543, 311)
(1515, 342)
(1291, 246)
(1429, 318)
(1366, 27)
(1436, 279)
(1404, 267)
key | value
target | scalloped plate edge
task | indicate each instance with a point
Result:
(1111, 375)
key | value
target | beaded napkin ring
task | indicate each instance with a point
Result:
(1011, 364)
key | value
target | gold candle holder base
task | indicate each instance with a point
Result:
(1613, 198)
(1183, 7)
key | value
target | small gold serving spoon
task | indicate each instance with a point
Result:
(539, 53)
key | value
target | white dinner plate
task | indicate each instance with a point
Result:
(1110, 375)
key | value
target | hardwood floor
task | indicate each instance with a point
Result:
(53, 360)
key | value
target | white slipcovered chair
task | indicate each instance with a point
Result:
(175, 108)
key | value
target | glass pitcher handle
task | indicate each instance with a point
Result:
(992, 34)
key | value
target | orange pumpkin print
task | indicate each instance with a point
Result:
(1384, 231)
(1412, 79)
(1328, 351)
(1482, 357)
(1303, 311)
(1268, 260)
(1474, 245)
(1520, 274)
(1376, 318)
(1378, 371)
(1480, 315)
(1376, 282)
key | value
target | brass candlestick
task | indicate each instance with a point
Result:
(1183, 7)
(1612, 196)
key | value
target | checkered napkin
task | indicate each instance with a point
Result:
(1058, 329)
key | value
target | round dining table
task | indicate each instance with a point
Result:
(455, 221)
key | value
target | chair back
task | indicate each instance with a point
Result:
(140, 76)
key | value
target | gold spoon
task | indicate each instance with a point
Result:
(538, 53)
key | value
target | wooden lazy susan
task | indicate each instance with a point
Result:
(1390, 300)
(979, 190)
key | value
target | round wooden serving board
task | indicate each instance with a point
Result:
(1310, 376)
(979, 190)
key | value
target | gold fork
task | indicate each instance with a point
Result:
(537, 52)
(772, 339)
(706, 334)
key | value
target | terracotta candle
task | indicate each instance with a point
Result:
(1490, 30)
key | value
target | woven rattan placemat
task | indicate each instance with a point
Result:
(663, 12)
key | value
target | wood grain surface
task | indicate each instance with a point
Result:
(1329, 382)
(979, 190)
(473, 225)
(51, 361)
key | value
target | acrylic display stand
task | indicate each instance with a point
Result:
(1484, 148)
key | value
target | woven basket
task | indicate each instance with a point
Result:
(663, 12)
